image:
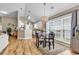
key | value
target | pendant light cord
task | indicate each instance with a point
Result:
(21, 11)
(44, 8)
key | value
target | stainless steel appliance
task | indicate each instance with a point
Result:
(75, 40)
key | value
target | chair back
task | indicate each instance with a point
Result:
(51, 35)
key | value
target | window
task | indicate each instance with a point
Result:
(61, 26)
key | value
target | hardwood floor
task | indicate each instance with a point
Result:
(27, 47)
(21, 47)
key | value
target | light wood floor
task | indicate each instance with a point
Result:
(26, 47)
(21, 47)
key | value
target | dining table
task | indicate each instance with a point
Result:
(47, 39)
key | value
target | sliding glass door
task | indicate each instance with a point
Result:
(61, 26)
(67, 29)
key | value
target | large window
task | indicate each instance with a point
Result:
(61, 26)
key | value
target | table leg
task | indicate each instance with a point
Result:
(43, 44)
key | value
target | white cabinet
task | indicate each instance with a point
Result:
(3, 41)
(21, 34)
(24, 34)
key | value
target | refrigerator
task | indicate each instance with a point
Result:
(75, 32)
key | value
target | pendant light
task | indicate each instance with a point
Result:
(29, 15)
(21, 11)
(44, 19)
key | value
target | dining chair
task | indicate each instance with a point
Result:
(39, 40)
(50, 40)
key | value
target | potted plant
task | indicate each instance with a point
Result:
(9, 31)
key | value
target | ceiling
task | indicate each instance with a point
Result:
(37, 9)
(11, 7)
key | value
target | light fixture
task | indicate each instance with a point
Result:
(21, 11)
(51, 7)
(3, 12)
(44, 19)
(29, 17)
(35, 26)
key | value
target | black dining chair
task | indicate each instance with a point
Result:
(50, 40)
(39, 40)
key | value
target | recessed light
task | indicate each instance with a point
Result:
(29, 11)
(51, 7)
(3, 12)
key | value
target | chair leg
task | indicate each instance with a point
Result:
(43, 44)
(53, 44)
(49, 46)
(37, 44)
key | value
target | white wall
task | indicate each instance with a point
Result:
(0, 23)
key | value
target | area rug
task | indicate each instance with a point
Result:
(58, 49)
